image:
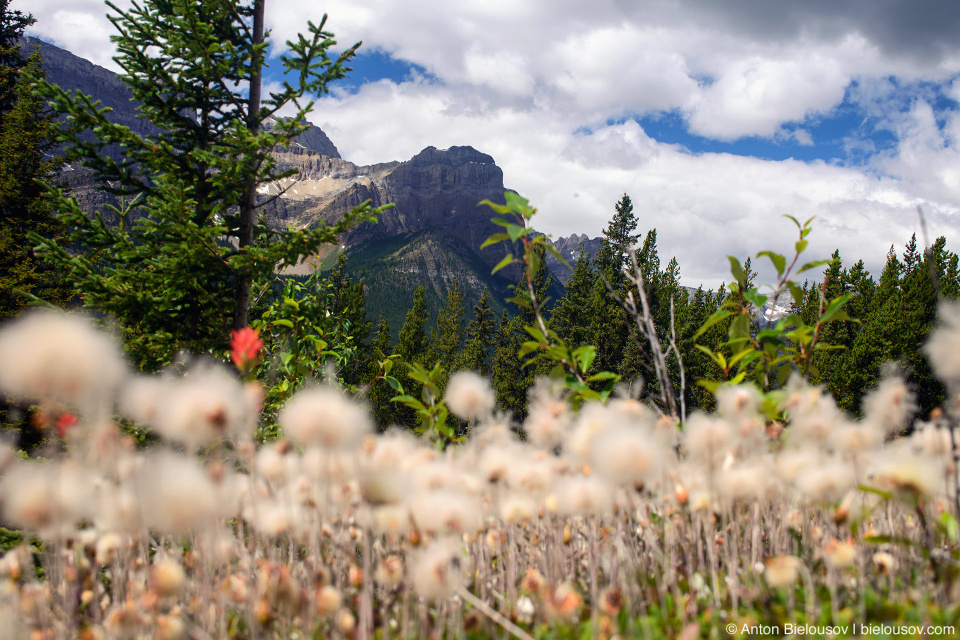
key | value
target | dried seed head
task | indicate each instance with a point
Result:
(325, 417)
(781, 572)
(438, 570)
(469, 396)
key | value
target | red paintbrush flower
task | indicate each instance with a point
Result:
(65, 422)
(245, 346)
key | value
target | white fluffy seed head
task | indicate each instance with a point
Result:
(827, 482)
(206, 405)
(708, 439)
(890, 406)
(57, 356)
(324, 416)
(592, 420)
(746, 482)
(626, 455)
(517, 507)
(49, 499)
(943, 347)
(909, 474)
(438, 570)
(469, 396)
(176, 496)
(737, 402)
(142, 398)
(857, 437)
(781, 572)
(446, 511)
(583, 496)
(530, 473)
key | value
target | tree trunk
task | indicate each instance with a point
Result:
(248, 206)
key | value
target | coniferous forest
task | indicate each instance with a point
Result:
(197, 446)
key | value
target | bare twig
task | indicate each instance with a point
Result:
(493, 614)
(644, 319)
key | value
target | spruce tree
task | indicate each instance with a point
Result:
(412, 340)
(569, 317)
(412, 349)
(380, 393)
(12, 25)
(510, 378)
(889, 281)
(619, 233)
(26, 140)
(195, 70)
(835, 333)
(348, 308)
(475, 355)
(911, 257)
(447, 336)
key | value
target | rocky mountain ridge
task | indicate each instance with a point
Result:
(431, 236)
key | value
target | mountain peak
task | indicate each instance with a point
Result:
(452, 156)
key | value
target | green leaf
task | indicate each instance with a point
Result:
(801, 246)
(834, 312)
(795, 221)
(813, 265)
(507, 260)
(494, 239)
(394, 384)
(283, 322)
(710, 385)
(736, 269)
(740, 328)
(779, 262)
(718, 316)
(886, 495)
(585, 356)
(950, 525)
(535, 333)
(499, 208)
(754, 297)
(516, 202)
(527, 348)
(514, 231)
(604, 375)
(740, 356)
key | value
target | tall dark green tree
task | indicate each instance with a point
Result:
(195, 68)
(619, 234)
(510, 378)
(412, 349)
(412, 340)
(12, 25)
(26, 140)
(446, 337)
(569, 317)
(349, 310)
(380, 393)
(610, 321)
(475, 355)
(697, 365)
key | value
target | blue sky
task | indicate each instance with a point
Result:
(717, 118)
